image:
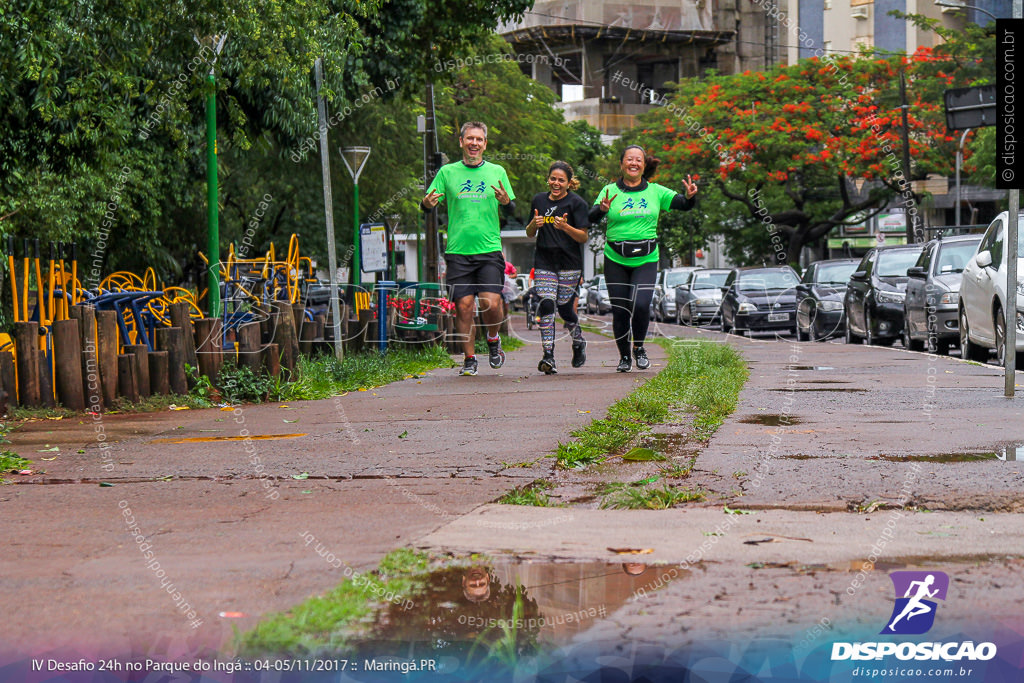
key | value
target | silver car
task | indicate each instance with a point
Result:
(699, 297)
(983, 295)
(663, 303)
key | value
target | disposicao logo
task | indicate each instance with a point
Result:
(914, 614)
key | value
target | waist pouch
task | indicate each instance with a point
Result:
(634, 248)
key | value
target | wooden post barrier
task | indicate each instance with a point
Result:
(249, 347)
(271, 360)
(92, 385)
(159, 380)
(141, 353)
(26, 342)
(106, 353)
(8, 379)
(208, 340)
(46, 397)
(284, 335)
(67, 351)
(180, 317)
(172, 340)
(127, 386)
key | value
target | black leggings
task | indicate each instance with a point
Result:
(630, 290)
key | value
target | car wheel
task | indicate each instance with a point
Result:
(800, 335)
(908, 341)
(999, 325)
(726, 327)
(869, 335)
(968, 349)
(937, 346)
(848, 336)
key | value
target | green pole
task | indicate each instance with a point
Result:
(357, 274)
(213, 233)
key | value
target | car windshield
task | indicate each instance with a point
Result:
(767, 279)
(955, 255)
(835, 273)
(709, 280)
(895, 263)
(673, 280)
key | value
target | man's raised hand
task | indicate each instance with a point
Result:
(432, 199)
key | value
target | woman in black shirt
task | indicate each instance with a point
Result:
(560, 223)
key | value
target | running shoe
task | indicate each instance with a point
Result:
(642, 361)
(579, 353)
(625, 364)
(469, 367)
(547, 364)
(495, 355)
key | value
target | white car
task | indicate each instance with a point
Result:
(983, 294)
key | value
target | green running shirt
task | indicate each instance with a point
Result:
(474, 226)
(634, 216)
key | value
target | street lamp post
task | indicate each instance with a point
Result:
(355, 159)
(959, 4)
(212, 220)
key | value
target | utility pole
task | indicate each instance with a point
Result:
(430, 168)
(910, 218)
(332, 254)
(212, 219)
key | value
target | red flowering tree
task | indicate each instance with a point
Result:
(782, 153)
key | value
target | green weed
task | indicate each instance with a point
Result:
(650, 498)
(529, 494)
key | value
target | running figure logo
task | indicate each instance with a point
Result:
(914, 613)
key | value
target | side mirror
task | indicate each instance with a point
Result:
(859, 275)
(983, 258)
(916, 271)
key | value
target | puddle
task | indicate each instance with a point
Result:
(209, 439)
(825, 381)
(849, 389)
(771, 420)
(493, 614)
(941, 457)
(802, 457)
(810, 367)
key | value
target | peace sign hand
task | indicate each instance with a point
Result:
(432, 199)
(690, 186)
(606, 203)
(500, 194)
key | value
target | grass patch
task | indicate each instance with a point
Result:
(702, 377)
(326, 623)
(678, 470)
(649, 497)
(324, 376)
(529, 494)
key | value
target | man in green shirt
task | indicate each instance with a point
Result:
(473, 189)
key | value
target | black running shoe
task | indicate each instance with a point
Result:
(642, 361)
(579, 353)
(625, 364)
(547, 364)
(495, 355)
(469, 367)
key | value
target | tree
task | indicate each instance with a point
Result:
(779, 152)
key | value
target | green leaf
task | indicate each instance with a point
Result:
(640, 454)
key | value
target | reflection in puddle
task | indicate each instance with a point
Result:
(809, 367)
(500, 612)
(849, 389)
(771, 420)
(664, 443)
(939, 457)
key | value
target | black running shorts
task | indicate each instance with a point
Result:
(470, 274)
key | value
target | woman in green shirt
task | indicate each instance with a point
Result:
(632, 206)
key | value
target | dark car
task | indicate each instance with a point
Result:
(819, 299)
(873, 304)
(758, 299)
(699, 298)
(663, 303)
(930, 318)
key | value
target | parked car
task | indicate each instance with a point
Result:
(663, 304)
(699, 297)
(757, 299)
(931, 308)
(597, 296)
(873, 304)
(819, 299)
(983, 296)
